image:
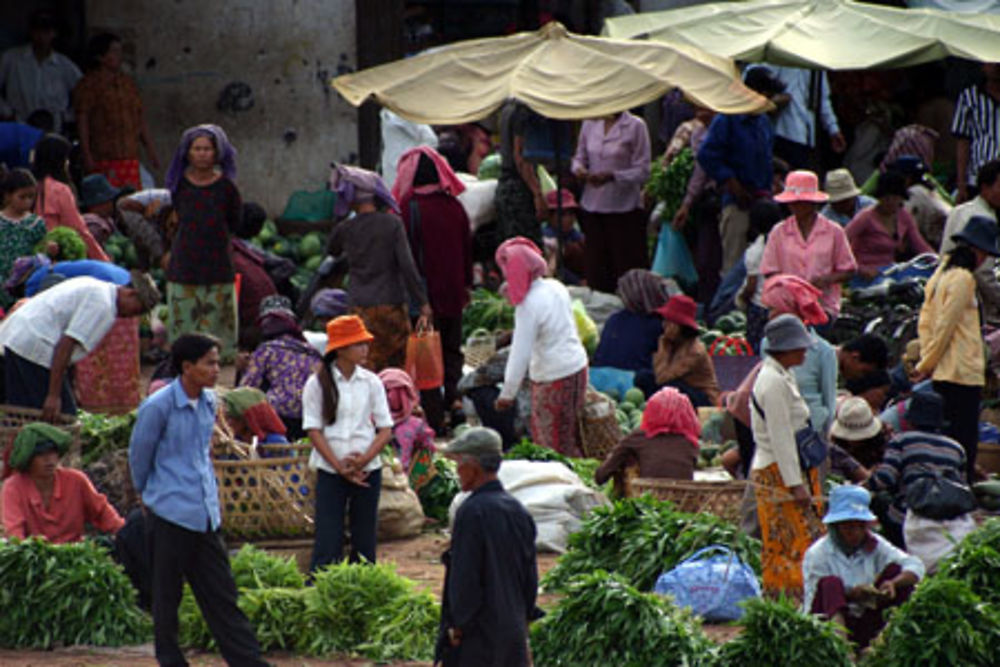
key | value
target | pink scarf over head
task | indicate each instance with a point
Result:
(670, 411)
(786, 293)
(521, 262)
(400, 392)
(406, 171)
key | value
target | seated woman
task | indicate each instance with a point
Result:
(282, 362)
(909, 457)
(250, 416)
(411, 436)
(42, 498)
(630, 336)
(681, 360)
(853, 574)
(859, 433)
(665, 444)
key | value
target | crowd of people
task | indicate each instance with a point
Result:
(327, 365)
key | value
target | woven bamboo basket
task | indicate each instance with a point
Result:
(478, 350)
(269, 496)
(722, 499)
(13, 417)
(599, 432)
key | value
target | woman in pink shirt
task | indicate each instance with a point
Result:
(886, 232)
(612, 160)
(56, 202)
(807, 244)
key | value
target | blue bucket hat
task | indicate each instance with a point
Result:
(96, 189)
(980, 232)
(849, 503)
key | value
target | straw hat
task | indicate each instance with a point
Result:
(802, 185)
(346, 330)
(840, 185)
(855, 420)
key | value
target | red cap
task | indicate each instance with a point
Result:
(680, 309)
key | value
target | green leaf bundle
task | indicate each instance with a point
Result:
(71, 246)
(436, 495)
(944, 623)
(976, 561)
(276, 614)
(605, 621)
(526, 450)
(487, 310)
(669, 184)
(101, 433)
(640, 538)
(66, 594)
(776, 634)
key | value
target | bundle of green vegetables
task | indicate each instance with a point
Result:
(436, 495)
(639, 538)
(606, 621)
(669, 184)
(943, 624)
(100, 433)
(487, 311)
(71, 246)
(775, 633)
(66, 594)
(976, 561)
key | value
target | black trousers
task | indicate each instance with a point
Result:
(201, 559)
(961, 414)
(614, 243)
(334, 496)
(437, 402)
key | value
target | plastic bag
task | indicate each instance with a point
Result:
(310, 206)
(605, 379)
(585, 326)
(672, 258)
(712, 586)
(424, 359)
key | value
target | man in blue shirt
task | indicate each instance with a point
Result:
(736, 154)
(173, 473)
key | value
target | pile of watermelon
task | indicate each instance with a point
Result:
(628, 412)
(728, 337)
(305, 250)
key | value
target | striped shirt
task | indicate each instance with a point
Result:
(977, 118)
(910, 456)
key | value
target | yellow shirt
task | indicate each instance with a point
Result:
(951, 344)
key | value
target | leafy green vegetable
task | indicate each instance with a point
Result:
(405, 630)
(776, 633)
(526, 450)
(942, 624)
(669, 184)
(487, 310)
(70, 244)
(436, 496)
(976, 561)
(277, 615)
(100, 433)
(66, 594)
(640, 538)
(605, 621)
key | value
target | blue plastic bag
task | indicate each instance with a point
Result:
(605, 378)
(712, 586)
(673, 258)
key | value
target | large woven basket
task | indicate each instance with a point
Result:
(478, 350)
(13, 417)
(722, 499)
(599, 432)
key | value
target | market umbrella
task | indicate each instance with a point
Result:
(557, 73)
(819, 34)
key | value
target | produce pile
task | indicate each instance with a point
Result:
(66, 594)
(628, 410)
(436, 495)
(640, 538)
(364, 610)
(727, 337)
(305, 250)
(526, 450)
(71, 246)
(486, 313)
(101, 434)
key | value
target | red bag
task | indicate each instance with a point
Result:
(424, 359)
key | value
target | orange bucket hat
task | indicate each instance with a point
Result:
(346, 330)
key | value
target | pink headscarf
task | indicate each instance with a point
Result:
(406, 171)
(521, 262)
(786, 293)
(400, 392)
(670, 411)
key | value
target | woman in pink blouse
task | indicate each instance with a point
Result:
(612, 160)
(56, 202)
(886, 232)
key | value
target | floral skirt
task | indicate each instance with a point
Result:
(787, 530)
(120, 172)
(390, 325)
(555, 412)
(207, 309)
(107, 379)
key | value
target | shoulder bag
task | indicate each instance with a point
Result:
(812, 449)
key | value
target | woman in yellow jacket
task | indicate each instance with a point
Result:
(951, 343)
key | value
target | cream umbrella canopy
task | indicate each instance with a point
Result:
(819, 34)
(556, 73)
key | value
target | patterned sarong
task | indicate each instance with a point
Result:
(207, 309)
(390, 325)
(555, 412)
(107, 379)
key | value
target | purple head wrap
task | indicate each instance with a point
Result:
(23, 268)
(354, 184)
(225, 153)
(329, 303)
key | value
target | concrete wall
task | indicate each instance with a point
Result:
(258, 68)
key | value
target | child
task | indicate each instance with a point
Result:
(412, 437)
(562, 233)
(764, 214)
(20, 228)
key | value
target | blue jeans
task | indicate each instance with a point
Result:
(334, 495)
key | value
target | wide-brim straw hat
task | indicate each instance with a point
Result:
(802, 185)
(840, 185)
(855, 421)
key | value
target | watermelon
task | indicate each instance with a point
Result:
(311, 245)
(312, 264)
(634, 396)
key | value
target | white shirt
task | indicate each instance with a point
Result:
(362, 408)
(398, 136)
(926, 207)
(796, 122)
(27, 85)
(960, 216)
(752, 258)
(824, 559)
(546, 344)
(82, 308)
(785, 412)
